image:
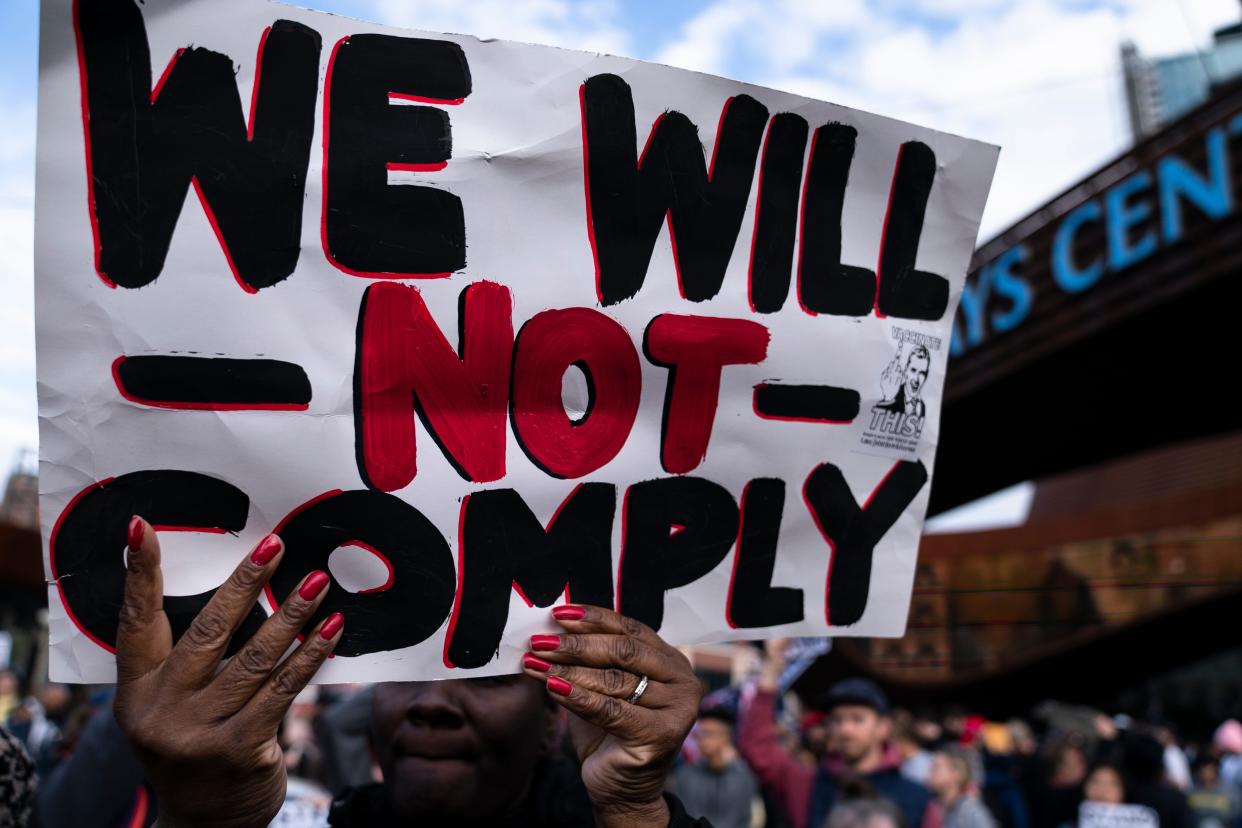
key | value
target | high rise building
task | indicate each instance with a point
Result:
(1158, 91)
(20, 506)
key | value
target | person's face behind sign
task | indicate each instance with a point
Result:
(854, 731)
(1105, 785)
(714, 738)
(461, 748)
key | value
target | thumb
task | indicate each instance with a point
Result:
(143, 638)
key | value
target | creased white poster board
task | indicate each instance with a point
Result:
(820, 389)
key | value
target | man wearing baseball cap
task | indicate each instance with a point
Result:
(857, 716)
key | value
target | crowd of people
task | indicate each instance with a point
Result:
(756, 757)
(852, 760)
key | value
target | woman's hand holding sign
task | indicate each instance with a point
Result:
(206, 736)
(634, 700)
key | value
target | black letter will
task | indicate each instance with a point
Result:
(628, 196)
(904, 291)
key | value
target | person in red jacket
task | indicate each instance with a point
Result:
(857, 715)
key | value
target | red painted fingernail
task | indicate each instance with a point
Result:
(559, 686)
(531, 662)
(568, 613)
(332, 626)
(313, 585)
(545, 642)
(135, 532)
(265, 551)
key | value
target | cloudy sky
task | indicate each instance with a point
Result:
(1041, 78)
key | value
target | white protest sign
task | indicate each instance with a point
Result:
(1102, 815)
(479, 327)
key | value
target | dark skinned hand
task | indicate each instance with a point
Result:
(626, 749)
(206, 736)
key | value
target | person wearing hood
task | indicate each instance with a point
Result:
(857, 717)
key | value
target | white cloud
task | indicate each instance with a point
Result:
(1039, 77)
(779, 35)
(705, 43)
(587, 24)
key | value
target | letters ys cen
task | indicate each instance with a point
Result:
(248, 167)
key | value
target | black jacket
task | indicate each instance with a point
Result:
(558, 800)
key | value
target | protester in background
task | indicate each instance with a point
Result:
(1227, 741)
(1024, 741)
(483, 752)
(343, 732)
(1176, 765)
(10, 693)
(864, 813)
(101, 785)
(955, 721)
(1008, 777)
(915, 761)
(928, 728)
(1214, 803)
(719, 786)
(39, 721)
(1143, 763)
(858, 728)
(1000, 791)
(1068, 766)
(955, 778)
(1055, 791)
(814, 735)
(17, 782)
(1105, 785)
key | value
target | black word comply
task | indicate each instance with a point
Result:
(675, 531)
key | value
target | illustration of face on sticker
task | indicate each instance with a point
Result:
(903, 380)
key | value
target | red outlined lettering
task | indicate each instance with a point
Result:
(546, 346)
(695, 349)
(405, 366)
(51, 562)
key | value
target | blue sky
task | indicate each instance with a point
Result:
(1040, 78)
